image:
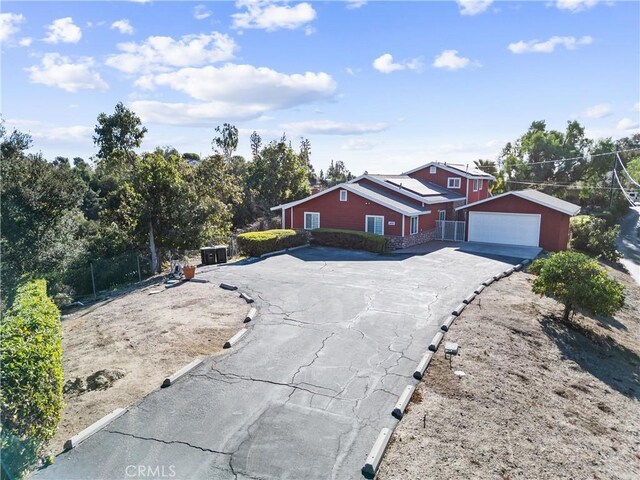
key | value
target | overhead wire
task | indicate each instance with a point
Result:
(586, 157)
(626, 171)
(615, 174)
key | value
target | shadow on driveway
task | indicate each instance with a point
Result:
(601, 356)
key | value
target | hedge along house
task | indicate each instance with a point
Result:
(404, 208)
(524, 217)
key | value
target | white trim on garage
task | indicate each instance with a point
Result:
(505, 228)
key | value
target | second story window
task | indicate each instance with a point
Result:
(343, 195)
(453, 182)
(432, 169)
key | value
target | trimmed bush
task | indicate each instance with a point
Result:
(255, 244)
(579, 282)
(332, 237)
(31, 376)
(592, 236)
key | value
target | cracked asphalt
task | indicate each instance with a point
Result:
(306, 391)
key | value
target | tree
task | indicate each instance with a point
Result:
(579, 282)
(119, 133)
(633, 168)
(487, 166)
(227, 140)
(337, 173)
(592, 236)
(305, 156)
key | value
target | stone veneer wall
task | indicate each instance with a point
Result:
(396, 242)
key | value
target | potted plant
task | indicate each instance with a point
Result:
(188, 270)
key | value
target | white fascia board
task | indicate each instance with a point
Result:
(310, 197)
(451, 170)
(571, 212)
(400, 190)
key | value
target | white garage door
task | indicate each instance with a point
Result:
(506, 228)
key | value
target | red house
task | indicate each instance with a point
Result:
(435, 200)
(404, 208)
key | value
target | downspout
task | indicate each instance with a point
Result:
(403, 225)
(292, 218)
(283, 219)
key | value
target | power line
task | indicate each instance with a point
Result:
(561, 185)
(626, 171)
(623, 191)
(569, 159)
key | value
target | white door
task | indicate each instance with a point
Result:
(505, 228)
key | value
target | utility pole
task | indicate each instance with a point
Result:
(613, 170)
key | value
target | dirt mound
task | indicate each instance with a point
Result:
(103, 379)
(75, 387)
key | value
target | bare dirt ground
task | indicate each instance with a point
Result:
(539, 400)
(118, 350)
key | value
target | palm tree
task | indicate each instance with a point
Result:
(487, 166)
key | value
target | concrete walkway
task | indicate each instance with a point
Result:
(490, 250)
(306, 391)
(628, 243)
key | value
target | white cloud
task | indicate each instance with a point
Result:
(575, 6)
(450, 60)
(58, 71)
(329, 127)
(548, 46)
(123, 26)
(200, 12)
(473, 7)
(9, 25)
(25, 41)
(45, 131)
(353, 4)
(627, 124)
(232, 92)
(269, 15)
(160, 53)
(598, 111)
(63, 30)
(360, 144)
(385, 64)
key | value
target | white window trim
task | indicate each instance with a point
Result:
(480, 184)
(345, 195)
(457, 180)
(475, 184)
(445, 215)
(366, 222)
(417, 225)
(305, 219)
(433, 169)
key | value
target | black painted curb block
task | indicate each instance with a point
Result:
(469, 298)
(422, 366)
(93, 428)
(251, 315)
(479, 290)
(246, 297)
(403, 401)
(228, 286)
(235, 339)
(488, 281)
(447, 323)
(433, 346)
(458, 310)
(375, 455)
(180, 373)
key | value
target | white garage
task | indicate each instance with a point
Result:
(505, 228)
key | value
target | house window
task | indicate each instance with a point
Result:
(432, 170)
(442, 215)
(414, 225)
(374, 224)
(453, 182)
(311, 220)
(476, 184)
(343, 195)
(480, 182)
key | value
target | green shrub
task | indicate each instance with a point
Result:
(255, 244)
(31, 376)
(592, 236)
(351, 239)
(579, 282)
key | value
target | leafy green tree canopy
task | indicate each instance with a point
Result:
(118, 133)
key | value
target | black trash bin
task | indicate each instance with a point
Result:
(221, 253)
(208, 255)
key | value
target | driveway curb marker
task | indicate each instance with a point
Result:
(479, 290)
(251, 315)
(180, 373)
(508, 272)
(459, 309)
(93, 428)
(422, 366)
(518, 267)
(469, 298)
(403, 401)
(488, 281)
(375, 455)
(433, 346)
(246, 297)
(233, 340)
(447, 323)
(228, 286)
(298, 247)
(498, 276)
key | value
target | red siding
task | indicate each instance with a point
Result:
(441, 177)
(554, 225)
(481, 194)
(348, 215)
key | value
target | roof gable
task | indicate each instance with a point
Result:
(534, 196)
(472, 173)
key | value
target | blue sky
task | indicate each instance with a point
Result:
(383, 86)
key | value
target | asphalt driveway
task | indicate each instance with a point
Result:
(307, 390)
